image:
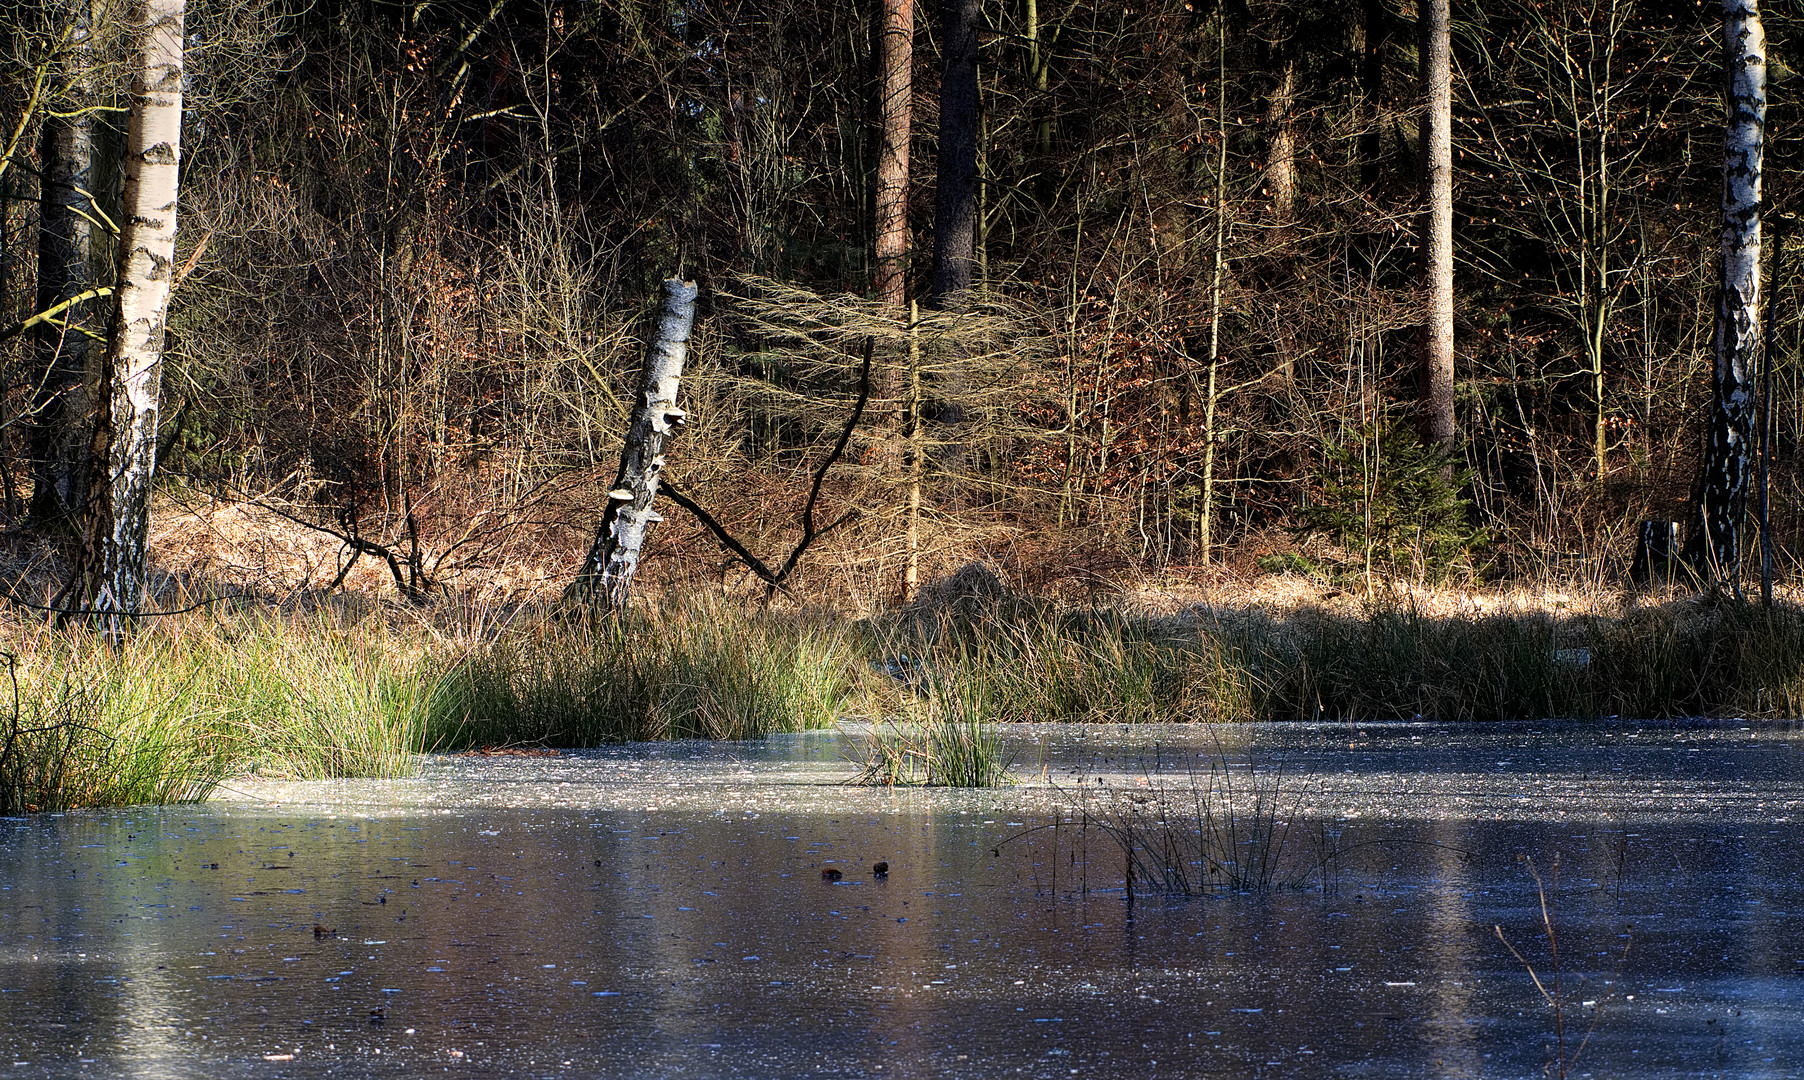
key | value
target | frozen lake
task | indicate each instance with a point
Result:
(661, 911)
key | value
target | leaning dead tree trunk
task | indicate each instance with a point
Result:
(1715, 548)
(124, 448)
(607, 574)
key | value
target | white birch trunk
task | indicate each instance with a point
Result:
(1737, 332)
(607, 573)
(128, 423)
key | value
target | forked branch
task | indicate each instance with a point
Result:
(774, 580)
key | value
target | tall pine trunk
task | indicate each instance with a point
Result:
(1715, 546)
(1375, 26)
(896, 85)
(62, 405)
(125, 430)
(1435, 409)
(955, 212)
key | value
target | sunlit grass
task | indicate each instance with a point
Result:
(127, 730)
(183, 705)
(670, 672)
(311, 701)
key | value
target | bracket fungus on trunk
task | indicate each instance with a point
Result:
(607, 574)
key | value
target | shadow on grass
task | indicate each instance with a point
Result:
(1385, 663)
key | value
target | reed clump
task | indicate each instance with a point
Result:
(181, 706)
(310, 699)
(669, 672)
(944, 737)
(1384, 661)
(1395, 663)
(1039, 662)
(129, 732)
(189, 701)
(1188, 829)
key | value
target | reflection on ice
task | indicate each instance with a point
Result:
(645, 911)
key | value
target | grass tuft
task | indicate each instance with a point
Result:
(1186, 831)
(669, 673)
(183, 705)
(1040, 663)
(947, 738)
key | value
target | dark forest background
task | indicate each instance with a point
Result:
(420, 241)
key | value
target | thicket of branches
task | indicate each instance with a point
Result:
(419, 239)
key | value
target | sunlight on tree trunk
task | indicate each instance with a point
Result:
(1281, 145)
(913, 465)
(125, 429)
(1205, 541)
(607, 574)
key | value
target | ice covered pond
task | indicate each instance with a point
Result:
(662, 911)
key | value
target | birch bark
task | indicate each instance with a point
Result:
(125, 430)
(607, 573)
(1736, 341)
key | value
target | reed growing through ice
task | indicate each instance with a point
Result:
(1189, 830)
(944, 738)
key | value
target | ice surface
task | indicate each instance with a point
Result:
(651, 911)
